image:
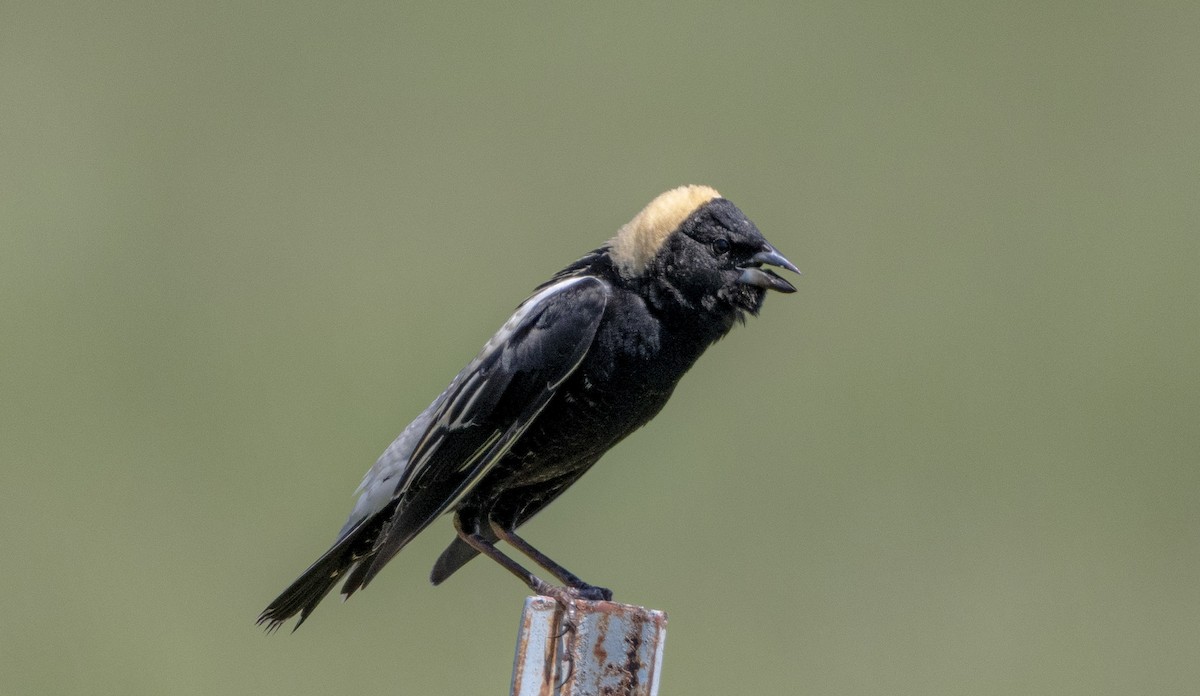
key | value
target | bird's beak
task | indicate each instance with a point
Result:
(754, 274)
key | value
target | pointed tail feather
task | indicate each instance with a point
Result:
(307, 591)
(454, 557)
(391, 541)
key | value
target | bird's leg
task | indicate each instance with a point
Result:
(572, 581)
(565, 597)
(477, 541)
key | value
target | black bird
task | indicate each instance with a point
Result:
(590, 357)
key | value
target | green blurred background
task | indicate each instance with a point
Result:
(241, 245)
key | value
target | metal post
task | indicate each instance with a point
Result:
(614, 649)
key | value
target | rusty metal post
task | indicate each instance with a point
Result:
(615, 649)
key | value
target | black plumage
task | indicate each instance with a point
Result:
(590, 357)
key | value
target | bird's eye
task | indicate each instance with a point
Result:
(721, 245)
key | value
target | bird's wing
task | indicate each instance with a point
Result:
(488, 406)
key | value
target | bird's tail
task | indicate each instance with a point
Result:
(454, 557)
(303, 595)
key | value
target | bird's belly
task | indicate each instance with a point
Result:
(574, 430)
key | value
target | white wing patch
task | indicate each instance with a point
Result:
(527, 307)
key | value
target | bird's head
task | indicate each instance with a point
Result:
(693, 249)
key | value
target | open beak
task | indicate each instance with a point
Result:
(754, 274)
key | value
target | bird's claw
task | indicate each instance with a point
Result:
(565, 597)
(594, 593)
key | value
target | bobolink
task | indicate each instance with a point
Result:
(590, 357)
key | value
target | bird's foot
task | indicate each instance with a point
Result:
(564, 596)
(567, 598)
(594, 593)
